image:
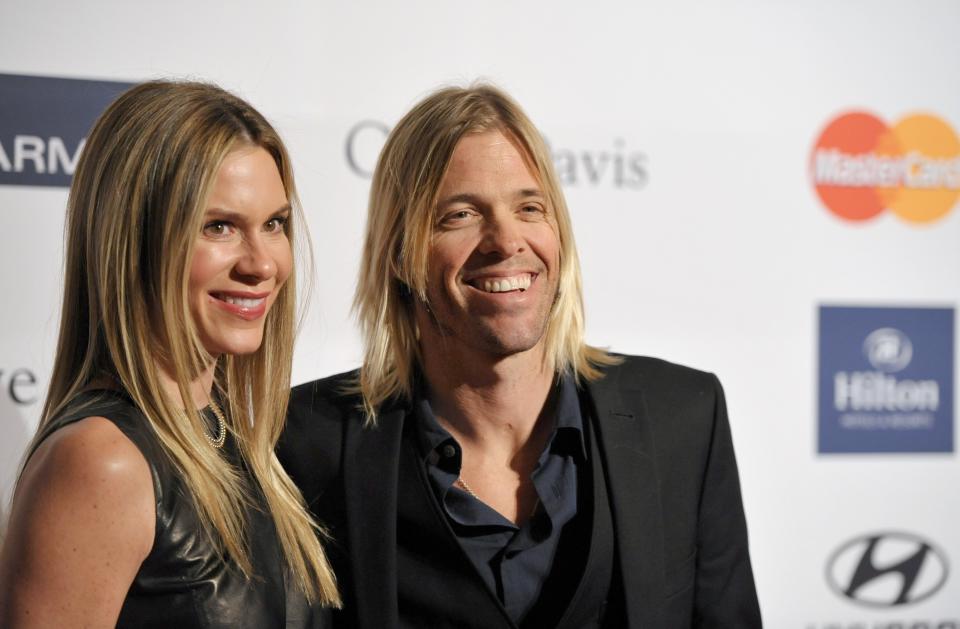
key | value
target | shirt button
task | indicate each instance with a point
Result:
(449, 451)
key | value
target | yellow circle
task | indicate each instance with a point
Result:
(930, 177)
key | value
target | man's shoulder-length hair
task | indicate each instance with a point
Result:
(399, 231)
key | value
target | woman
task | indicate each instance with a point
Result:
(151, 495)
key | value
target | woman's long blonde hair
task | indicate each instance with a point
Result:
(399, 234)
(135, 210)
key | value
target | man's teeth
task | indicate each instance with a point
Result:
(242, 302)
(504, 284)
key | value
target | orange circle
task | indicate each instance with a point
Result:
(930, 184)
(843, 164)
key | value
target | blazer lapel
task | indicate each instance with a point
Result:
(626, 444)
(370, 479)
(438, 574)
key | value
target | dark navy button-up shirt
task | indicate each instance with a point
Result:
(513, 561)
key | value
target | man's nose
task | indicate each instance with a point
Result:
(502, 235)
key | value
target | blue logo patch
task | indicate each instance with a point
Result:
(886, 379)
(44, 123)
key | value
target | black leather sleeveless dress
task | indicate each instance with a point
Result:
(183, 583)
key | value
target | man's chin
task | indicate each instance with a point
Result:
(499, 345)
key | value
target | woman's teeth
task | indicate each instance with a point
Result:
(243, 302)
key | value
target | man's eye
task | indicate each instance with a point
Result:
(457, 216)
(277, 224)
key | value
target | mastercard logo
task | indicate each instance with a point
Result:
(861, 166)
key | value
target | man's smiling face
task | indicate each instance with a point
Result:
(494, 259)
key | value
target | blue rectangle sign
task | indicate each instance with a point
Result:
(44, 122)
(886, 379)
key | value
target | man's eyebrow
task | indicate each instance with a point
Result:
(529, 192)
(468, 197)
(463, 197)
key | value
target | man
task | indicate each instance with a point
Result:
(485, 467)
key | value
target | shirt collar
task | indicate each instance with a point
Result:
(569, 418)
(436, 443)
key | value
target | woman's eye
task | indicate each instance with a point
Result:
(217, 229)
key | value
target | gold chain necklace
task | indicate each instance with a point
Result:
(465, 487)
(221, 438)
(462, 484)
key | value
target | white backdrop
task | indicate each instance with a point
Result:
(714, 250)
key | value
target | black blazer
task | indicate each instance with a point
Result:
(664, 439)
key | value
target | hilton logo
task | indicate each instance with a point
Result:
(887, 570)
(886, 379)
(888, 349)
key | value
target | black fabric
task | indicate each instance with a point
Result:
(448, 591)
(592, 601)
(183, 583)
(514, 561)
(576, 594)
(444, 590)
(680, 539)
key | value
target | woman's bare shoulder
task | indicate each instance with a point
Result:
(82, 521)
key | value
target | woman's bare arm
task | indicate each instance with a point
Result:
(82, 522)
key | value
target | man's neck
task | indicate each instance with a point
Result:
(490, 403)
(499, 411)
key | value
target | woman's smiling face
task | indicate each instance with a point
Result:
(242, 256)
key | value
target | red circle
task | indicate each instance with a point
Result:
(846, 139)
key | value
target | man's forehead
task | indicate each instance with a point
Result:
(482, 160)
(492, 142)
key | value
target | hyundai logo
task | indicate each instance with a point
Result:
(888, 349)
(887, 569)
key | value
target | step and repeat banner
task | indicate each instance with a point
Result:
(766, 190)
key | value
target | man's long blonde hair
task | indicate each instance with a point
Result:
(399, 233)
(135, 210)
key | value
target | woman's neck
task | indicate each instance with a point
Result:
(199, 388)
